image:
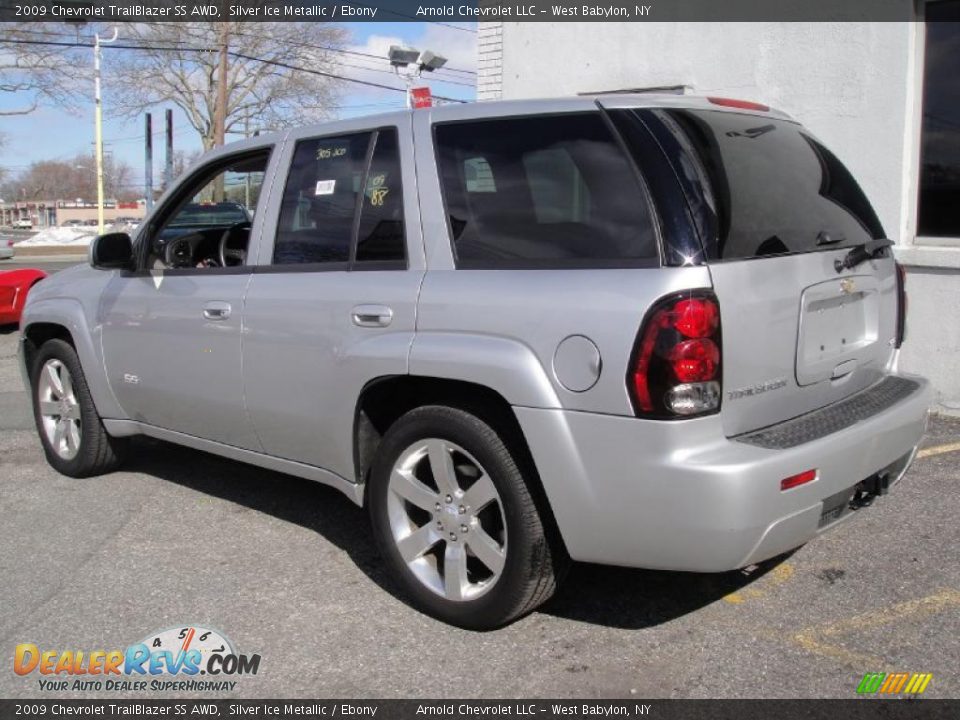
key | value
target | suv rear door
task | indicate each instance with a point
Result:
(776, 210)
(332, 302)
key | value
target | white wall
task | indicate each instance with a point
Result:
(847, 82)
(854, 85)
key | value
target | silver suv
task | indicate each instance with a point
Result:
(647, 331)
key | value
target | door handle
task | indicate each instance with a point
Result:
(216, 311)
(371, 315)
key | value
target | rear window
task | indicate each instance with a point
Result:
(770, 187)
(545, 191)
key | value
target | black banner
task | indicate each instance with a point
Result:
(454, 10)
(43, 709)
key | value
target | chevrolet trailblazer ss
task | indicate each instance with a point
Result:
(655, 332)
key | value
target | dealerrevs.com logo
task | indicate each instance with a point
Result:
(167, 661)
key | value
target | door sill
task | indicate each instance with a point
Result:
(124, 428)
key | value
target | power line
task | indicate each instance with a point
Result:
(360, 53)
(277, 63)
(331, 75)
(295, 43)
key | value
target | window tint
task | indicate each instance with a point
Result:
(320, 200)
(772, 188)
(380, 235)
(543, 191)
(940, 131)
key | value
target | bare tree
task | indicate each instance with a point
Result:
(182, 160)
(68, 180)
(35, 72)
(272, 78)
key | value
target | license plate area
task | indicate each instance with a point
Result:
(863, 494)
(839, 323)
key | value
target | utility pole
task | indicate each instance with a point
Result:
(148, 160)
(98, 124)
(220, 119)
(220, 116)
(246, 180)
(168, 167)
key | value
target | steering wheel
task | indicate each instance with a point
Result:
(231, 257)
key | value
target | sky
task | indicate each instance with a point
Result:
(51, 133)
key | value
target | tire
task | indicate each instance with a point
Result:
(72, 435)
(437, 541)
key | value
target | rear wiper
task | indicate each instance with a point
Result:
(862, 253)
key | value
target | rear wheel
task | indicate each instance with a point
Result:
(70, 429)
(456, 522)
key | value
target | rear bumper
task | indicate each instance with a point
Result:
(681, 496)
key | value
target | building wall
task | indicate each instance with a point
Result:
(489, 60)
(51, 215)
(854, 85)
(109, 214)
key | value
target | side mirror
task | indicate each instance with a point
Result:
(111, 251)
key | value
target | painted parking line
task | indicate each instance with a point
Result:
(777, 576)
(817, 639)
(938, 450)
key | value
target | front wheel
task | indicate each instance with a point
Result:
(456, 522)
(70, 429)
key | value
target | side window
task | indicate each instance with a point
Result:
(328, 184)
(320, 200)
(208, 223)
(546, 191)
(380, 237)
(559, 191)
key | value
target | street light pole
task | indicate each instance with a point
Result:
(420, 62)
(98, 124)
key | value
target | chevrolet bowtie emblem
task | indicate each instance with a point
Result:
(847, 286)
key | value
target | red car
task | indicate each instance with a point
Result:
(14, 286)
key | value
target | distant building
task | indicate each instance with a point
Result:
(56, 213)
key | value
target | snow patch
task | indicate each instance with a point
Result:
(60, 236)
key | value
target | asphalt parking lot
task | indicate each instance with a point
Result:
(286, 568)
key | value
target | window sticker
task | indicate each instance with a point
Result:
(325, 153)
(325, 187)
(377, 190)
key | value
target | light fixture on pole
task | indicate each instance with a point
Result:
(420, 62)
(98, 123)
(430, 61)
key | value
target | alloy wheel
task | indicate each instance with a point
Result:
(447, 519)
(59, 409)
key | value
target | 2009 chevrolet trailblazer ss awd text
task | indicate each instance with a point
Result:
(647, 331)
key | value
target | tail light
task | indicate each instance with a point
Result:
(675, 369)
(901, 305)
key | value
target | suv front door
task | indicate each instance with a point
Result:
(172, 328)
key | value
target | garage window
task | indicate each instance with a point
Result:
(940, 131)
